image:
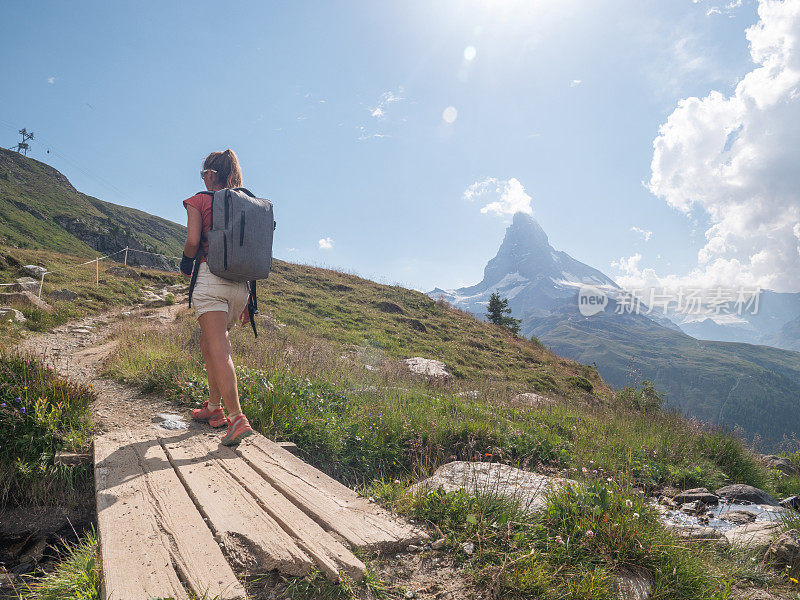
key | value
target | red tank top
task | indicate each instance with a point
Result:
(202, 202)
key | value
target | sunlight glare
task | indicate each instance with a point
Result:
(450, 114)
(469, 53)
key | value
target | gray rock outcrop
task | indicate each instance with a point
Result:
(530, 489)
(740, 492)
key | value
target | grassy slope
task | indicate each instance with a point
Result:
(725, 383)
(402, 323)
(32, 194)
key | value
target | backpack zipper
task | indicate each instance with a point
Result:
(225, 250)
(241, 230)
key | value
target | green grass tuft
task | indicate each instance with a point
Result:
(77, 577)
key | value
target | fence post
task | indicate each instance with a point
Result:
(126, 256)
(97, 271)
(41, 283)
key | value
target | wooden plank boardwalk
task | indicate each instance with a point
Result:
(178, 514)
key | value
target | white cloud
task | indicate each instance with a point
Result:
(732, 158)
(575, 83)
(379, 111)
(643, 232)
(501, 197)
(365, 135)
(291, 249)
(325, 243)
(629, 266)
(51, 80)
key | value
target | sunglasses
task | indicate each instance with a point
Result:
(204, 171)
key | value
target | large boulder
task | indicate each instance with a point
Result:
(740, 492)
(781, 463)
(25, 299)
(785, 550)
(434, 369)
(63, 294)
(24, 284)
(11, 314)
(530, 489)
(34, 271)
(694, 494)
(756, 536)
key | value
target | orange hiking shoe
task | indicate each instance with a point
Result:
(215, 418)
(238, 429)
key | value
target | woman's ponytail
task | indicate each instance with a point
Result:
(226, 164)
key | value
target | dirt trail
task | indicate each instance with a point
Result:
(77, 351)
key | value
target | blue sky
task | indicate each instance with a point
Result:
(336, 113)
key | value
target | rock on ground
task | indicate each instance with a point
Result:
(701, 494)
(738, 517)
(494, 478)
(11, 314)
(63, 294)
(781, 463)
(756, 536)
(428, 367)
(24, 284)
(631, 586)
(34, 271)
(531, 399)
(25, 298)
(785, 550)
(739, 492)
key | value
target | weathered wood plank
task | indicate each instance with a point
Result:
(251, 538)
(135, 553)
(329, 555)
(195, 553)
(331, 504)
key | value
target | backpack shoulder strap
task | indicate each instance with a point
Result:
(199, 256)
(245, 190)
(252, 305)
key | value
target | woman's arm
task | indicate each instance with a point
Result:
(194, 226)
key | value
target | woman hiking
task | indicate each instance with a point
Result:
(218, 303)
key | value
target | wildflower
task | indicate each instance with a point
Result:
(610, 479)
(397, 482)
(628, 502)
(559, 540)
(3, 405)
(22, 410)
(635, 515)
(585, 470)
(793, 580)
(589, 533)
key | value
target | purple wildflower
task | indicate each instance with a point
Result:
(22, 410)
(3, 405)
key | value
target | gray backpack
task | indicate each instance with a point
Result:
(239, 241)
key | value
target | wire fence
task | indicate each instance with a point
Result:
(96, 261)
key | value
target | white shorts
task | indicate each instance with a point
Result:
(215, 293)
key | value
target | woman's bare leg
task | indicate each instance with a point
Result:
(219, 364)
(214, 396)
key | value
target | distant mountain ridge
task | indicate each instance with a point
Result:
(41, 209)
(727, 383)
